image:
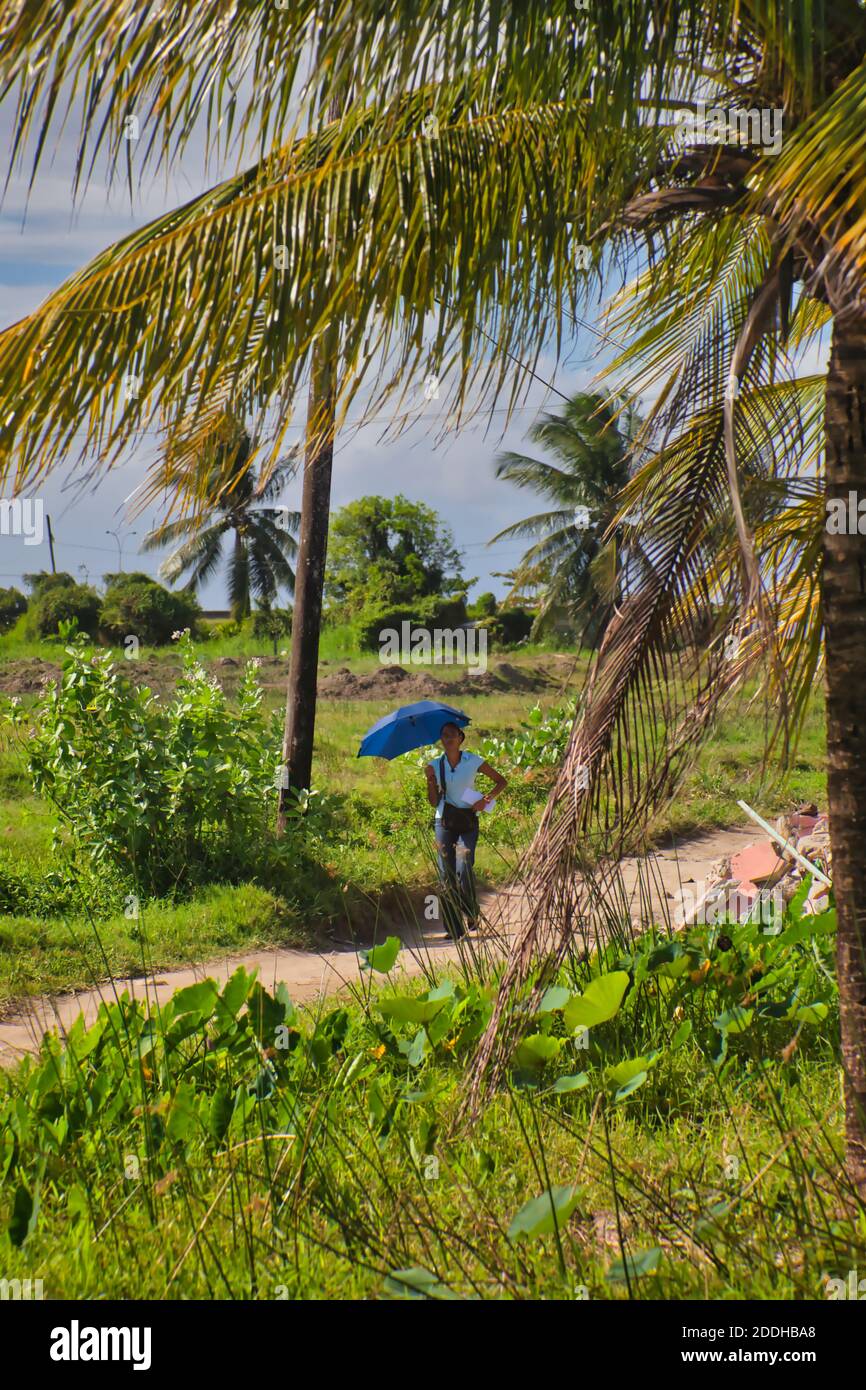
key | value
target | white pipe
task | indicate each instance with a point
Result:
(780, 840)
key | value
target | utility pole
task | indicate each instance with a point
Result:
(50, 543)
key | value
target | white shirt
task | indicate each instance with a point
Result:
(457, 779)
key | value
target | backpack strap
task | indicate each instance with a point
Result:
(442, 776)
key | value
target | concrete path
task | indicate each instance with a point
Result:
(311, 975)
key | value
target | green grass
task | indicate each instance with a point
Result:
(154, 1174)
(44, 954)
(326, 1170)
(381, 842)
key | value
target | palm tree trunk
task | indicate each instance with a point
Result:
(845, 637)
(240, 580)
(310, 575)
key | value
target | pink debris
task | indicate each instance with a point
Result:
(756, 863)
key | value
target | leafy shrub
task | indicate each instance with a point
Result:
(43, 581)
(484, 606)
(63, 601)
(541, 741)
(227, 627)
(170, 794)
(509, 626)
(738, 992)
(135, 604)
(272, 623)
(12, 605)
(436, 611)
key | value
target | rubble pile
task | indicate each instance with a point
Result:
(768, 871)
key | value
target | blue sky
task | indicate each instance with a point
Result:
(44, 241)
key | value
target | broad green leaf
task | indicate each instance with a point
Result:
(181, 1112)
(539, 1216)
(415, 1055)
(266, 1014)
(417, 1283)
(563, 1084)
(822, 924)
(669, 960)
(199, 998)
(537, 1049)
(235, 990)
(623, 1072)
(381, 958)
(598, 1003)
(403, 1008)
(76, 1203)
(556, 997)
(683, 1032)
(735, 1020)
(643, 1262)
(443, 991)
(221, 1107)
(25, 1212)
(282, 996)
(90, 1040)
(631, 1085)
(795, 906)
(811, 1013)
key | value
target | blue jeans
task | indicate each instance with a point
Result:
(456, 856)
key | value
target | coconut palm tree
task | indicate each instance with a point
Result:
(442, 223)
(236, 510)
(591, 449)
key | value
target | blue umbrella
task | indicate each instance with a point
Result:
(411, 726)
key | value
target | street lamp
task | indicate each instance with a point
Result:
(109, 532)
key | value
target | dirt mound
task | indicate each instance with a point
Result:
(27, 677)
(394, 681)
(381, 684)
(30, 675)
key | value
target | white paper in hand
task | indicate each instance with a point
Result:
(472, 794)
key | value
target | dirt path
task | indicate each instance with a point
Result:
(311, 975)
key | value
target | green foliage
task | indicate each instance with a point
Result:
(237, 512)
(59, 891)
(589, 439)
(752, 996)
(145, 1117)
(58, 599)
(509, 626)
(388, 552)
(134, 604)
(43, 581)
(428, 613)
(12, 605)
(484, 606)
(170, 793)
(541, 742)
(273, 623)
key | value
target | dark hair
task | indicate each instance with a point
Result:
(449, 724)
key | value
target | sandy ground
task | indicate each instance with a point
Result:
(311, 976)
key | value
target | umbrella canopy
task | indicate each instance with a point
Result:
(410, 726)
